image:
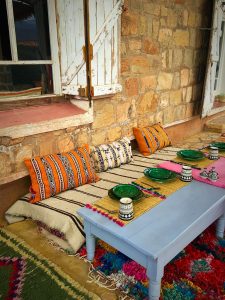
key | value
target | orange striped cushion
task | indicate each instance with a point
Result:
(52, 174)
(151, 138)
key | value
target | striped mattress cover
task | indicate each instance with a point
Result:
(60, 212)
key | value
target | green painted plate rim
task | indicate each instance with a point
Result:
(127, 187)
(160, 180)
(218, 145)
(180, 154)
(113, 196)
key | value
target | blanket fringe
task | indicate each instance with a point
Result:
(111, 282)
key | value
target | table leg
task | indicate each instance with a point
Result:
(155, 273)
(90, 241)
(220, 227)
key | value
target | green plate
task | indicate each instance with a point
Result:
(190, 154)
(113, 196)
(160, 174)
(219, 145)
(125, 190)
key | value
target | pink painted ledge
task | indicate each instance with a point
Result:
(36, 114)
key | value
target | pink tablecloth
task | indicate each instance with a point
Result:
(219, 167)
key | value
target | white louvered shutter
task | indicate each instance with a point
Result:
(104, 36)
(213, 58)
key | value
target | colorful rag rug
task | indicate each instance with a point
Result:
(26, 274)
(196, 273)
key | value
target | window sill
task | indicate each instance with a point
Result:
(28, 121)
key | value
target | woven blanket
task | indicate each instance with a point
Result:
(60, 212)
(26, 274)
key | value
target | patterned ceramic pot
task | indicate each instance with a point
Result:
(213, 153)
(186, 174)
(126, 209)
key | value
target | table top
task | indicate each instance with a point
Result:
(154, 231)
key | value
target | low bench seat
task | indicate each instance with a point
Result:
(60, 212)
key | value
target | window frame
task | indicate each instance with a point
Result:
(54, 61)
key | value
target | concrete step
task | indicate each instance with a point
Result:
(217, 124)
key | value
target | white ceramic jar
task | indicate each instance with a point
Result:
(126, 211)
(186, 174)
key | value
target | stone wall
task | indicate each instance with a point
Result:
(163, 59)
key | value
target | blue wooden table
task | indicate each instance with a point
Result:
(160, 234)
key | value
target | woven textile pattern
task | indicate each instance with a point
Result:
(112, 155)
(52, 174)
(27, 274)
(151, 138)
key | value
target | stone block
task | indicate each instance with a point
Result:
(135, 44)
(179, 112)
(82, 138)
(131, 87)
(184, 77)
(143, 24)
(165, 81)
(164, 100)
(123, 48)
(189, 110)
(155, 28)
(46, 143)
(139, 64)
(185, 17)
(164, 11)
(168, 115)
(181, 37)
(172, 18)
(5, 165)
(189, 94)
(152, 8)
(188, 58)
(123, 109)
(147, 103)
(192, 37)
(129, 24)
(65, 143)
(192, 19)
(163, 22)
(150, 46)
(159, 117)
(125, 65)
(104, 114)
(98, 137)
(114, 134)
(5, 140)
(175, 97)
(22, 153)
(164, 59)
(177, 57)
(148, 82)
(165, 35)
(146, 120)
(176, 81)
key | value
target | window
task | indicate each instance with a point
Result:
(27, 64)
(39, 57)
